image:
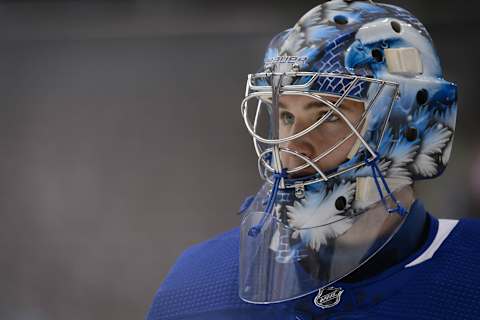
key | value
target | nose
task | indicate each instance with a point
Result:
(302, 145)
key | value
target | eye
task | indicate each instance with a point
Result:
(287, 118)
(332, 118)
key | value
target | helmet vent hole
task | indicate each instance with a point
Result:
(396, 26)
(341, 203)
(422, 96)
(339, 19)
(411, 134)
(377, 54)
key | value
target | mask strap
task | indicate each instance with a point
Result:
(255, 230)
(378, 174)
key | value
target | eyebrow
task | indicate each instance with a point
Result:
(310, 105)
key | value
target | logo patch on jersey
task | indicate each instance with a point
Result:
(328, 297)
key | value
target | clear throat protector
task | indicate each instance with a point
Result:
(325, 208)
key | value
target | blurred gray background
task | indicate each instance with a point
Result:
(122, 142)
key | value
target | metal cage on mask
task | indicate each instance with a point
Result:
(269, 163)
(269, 233)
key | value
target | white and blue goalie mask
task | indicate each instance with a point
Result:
(375, 115)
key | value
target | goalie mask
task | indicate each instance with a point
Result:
(349, 107)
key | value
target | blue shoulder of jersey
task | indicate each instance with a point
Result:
(439, 282)
(203, 284)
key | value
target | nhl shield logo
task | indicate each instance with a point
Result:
(328, 297)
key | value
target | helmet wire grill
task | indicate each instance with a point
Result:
(256, 91)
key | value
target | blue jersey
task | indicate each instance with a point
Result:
(441, 280)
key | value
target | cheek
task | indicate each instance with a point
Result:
(329, 134)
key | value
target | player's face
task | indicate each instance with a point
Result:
(297, 113)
